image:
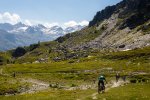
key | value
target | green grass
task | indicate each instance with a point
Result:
(125, 62)
(75, 72)
(129, 92)
(52, 95)
(80, 37)
(64, 71)
(140, 55)
(4, 58)
(10, 85)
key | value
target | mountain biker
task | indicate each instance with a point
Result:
(101, 84)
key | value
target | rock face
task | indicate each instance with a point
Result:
(104, 14)
(125, 25)
(137, 11)
(141, 9)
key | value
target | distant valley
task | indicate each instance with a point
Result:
(12, 36)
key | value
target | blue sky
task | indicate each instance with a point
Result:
(54, 11)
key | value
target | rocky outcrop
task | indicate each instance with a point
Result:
(136, 12)
(104, 14)
(124, 26)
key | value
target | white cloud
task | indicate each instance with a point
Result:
(13, 18)
(49, 25)
(28, 22)
(9, 18)
(84, 23)
(31, 22)
(70, 24)
(74, 23)
(67, 24)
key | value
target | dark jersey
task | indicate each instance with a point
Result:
(101, 78)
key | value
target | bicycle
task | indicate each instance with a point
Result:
(101, 88)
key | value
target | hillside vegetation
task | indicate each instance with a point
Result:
(119, 27)
(75, 73)
(116, 41)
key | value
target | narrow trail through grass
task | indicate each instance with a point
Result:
(36, 86)
(109, 86)
(112, 84)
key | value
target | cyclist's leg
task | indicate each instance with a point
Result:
(103, 87)
(99, 87)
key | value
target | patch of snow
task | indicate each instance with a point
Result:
(126, 50)
(20, 29)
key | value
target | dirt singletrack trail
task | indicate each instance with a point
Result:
(36, 86)
(40, 86)
(109, 86)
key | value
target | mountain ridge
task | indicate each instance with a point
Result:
(26, 35)
(121, 26)
(110, 34)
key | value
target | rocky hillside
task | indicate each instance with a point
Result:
(120, 27)
(123, 26)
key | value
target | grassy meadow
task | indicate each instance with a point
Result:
(135, 64)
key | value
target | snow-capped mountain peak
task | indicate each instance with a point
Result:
(73, 29)
(25, 35)
(18, 25)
